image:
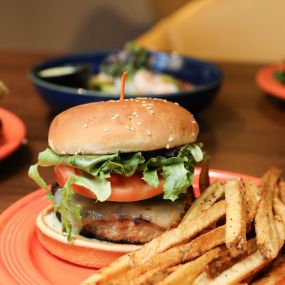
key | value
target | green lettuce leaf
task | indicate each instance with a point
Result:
(34, 174)
(176, 166)
(176, 180)
(70, 213)
(151, 177)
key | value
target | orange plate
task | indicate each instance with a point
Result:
(22, 258)
(14, 132)
(266, 81)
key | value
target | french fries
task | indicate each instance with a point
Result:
(241, 270)
(180, 234)
(177, 255)
(188, 272)
(235, 217)
(266, 234)
(225, 260)
(277, 273)
(251, 197)
(213, 193)
(211, 246)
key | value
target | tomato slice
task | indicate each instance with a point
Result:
(124, 189)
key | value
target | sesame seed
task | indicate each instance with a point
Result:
(170, 139)
(176, 103)
(85, 125)
(105, 130)
(167, 146)
(128, 127)
(193, 121)
(148, 132)
(148, 107)
(139, 123)
(132, 128)
(129, 117)
(144, 104)
(152, 111)
(135, 113)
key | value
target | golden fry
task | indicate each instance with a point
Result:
(182, 233)
(196, 253)
(213, 193)
(176, 255)
(279, 208)
(235, 217)
(252, 197)
(224, 260)
(202, 279)
(276, 273)
(188, 272)
(154, 276)
(241, 270)
(280, 228)
(266, 235)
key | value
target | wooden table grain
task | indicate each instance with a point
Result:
(243, 130)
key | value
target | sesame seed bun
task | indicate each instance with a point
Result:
(131, 125)
(83, 251)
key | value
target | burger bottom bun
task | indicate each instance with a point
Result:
(80, 250)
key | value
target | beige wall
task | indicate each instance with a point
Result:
(75, 25)
(71, 25)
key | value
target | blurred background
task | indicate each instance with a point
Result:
(72, 25)
(213, 29)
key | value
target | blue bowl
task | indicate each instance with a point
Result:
(205, 77)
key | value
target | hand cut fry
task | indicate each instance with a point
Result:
(241, 270)
(153, 276)
(266, 235)
(235, 217)
(276, 273)
(204, 251)
(224, 260)
(176, 255)
(212, 194)
(180, 234)
(188, 272)
(280, 228)
(202, 279)
(279, 208)
(252, 197)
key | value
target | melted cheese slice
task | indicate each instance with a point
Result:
(163, 213)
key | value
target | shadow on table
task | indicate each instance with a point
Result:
(15, 162)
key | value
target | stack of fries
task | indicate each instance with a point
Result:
(232, 234)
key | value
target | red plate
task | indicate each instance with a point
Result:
(22, 258)
(266, 81)
(14, 131)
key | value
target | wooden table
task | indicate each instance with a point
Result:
(243, 130)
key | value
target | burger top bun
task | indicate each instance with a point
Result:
(130, 125)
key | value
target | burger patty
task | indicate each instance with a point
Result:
(127, 222)
(134, 231)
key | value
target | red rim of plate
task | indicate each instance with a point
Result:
(14, 131)
(265, 81)
(22, 258)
